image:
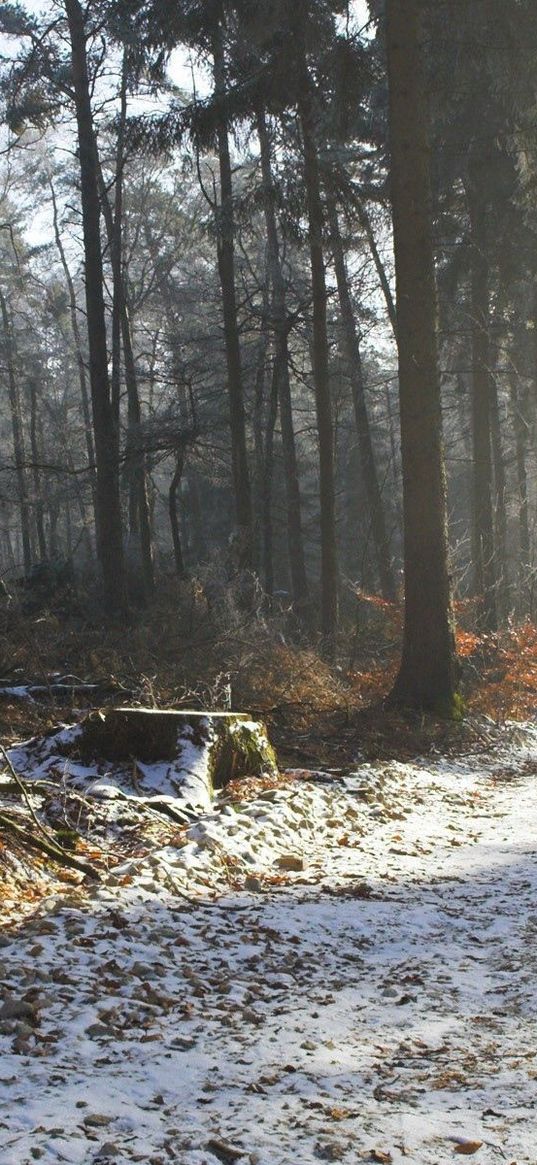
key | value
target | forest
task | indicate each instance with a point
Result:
(268, 581)
(199, 320)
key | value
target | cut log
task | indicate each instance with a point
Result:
(226, 744)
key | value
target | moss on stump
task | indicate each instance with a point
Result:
(232, 743)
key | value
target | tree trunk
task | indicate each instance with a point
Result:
(258, 422)
(365, 224)
(18, 436)
(36, 475)
(105, 427)
(85, 534)
(427, 675)
(268, 479)
(321, 376)
(174, 518)
(500, 501)
(226, 269)
(295, 541)
(81, 367)
(135, 461)
(186, 412)
(139, 507)
(518, 396)
(54, 514)
(365, 444)
(482, 518)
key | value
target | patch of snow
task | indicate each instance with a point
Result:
(20, 692)
(379, 1000)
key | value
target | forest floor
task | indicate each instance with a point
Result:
(339, 966)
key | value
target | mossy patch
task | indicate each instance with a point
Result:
(451, 708)
(244, 750)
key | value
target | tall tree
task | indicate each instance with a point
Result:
(321, 374)
(351, 342)
(226, 268)
(7, 347)
(280, 324)
(135, 459)
(105, 416)
(427, 676)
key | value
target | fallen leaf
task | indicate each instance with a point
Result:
(225, 1151)
(291, 862)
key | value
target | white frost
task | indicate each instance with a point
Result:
(382, 1000)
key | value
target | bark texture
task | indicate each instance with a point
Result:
(18, 434)
(427, 675)
(483, 555)
(368, 463)
(321, 375)
(295, 541)
(226, 269)
(105, 427)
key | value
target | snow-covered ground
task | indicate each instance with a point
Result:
(341, 969)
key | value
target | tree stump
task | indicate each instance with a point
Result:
(220, 746)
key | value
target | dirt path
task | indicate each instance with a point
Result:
(388, 1013)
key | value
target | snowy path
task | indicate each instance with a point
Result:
(387, 1014)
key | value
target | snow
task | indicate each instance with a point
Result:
(185, 779)
(20, 692)
(186, 782)
(377, 1001)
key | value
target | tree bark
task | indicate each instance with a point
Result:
(500, 504)
(367, 228)
(174, 519)
(18, 436)
(482, 517)
(295, 540)
(105, 427)
(268, 480)
(135, 461)
(81, 367)
(38, 505)
(321, 376)
(258, 421)
(196, 527)
(226, 268)
(139, 507)
(427, 675)
(365, 444)
(518, 397)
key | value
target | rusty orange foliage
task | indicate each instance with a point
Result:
(508, 668)
(467, 642)
(376, 601)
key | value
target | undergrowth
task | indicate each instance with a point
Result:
(184, 652)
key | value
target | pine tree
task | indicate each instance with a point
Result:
(427, 675)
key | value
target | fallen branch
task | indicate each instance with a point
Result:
(44, 842)
(20, 785)
(50, 848)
